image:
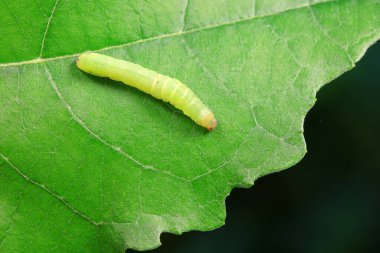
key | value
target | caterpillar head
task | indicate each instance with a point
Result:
(212, 124)
(208, 120)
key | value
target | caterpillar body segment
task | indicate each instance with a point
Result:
(159, 86)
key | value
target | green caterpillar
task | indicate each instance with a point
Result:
(159, 86)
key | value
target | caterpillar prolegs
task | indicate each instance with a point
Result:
(159, 86)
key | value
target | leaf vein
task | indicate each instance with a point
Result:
(162, 36)
(100, 139)
(39, 185)
(47, 27)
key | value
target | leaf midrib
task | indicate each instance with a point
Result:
(162, 36)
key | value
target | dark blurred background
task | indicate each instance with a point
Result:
(330, 201)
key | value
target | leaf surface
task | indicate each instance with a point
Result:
(91, 165)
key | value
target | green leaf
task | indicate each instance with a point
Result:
(91, 165)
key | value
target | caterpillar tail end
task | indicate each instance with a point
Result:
(83, 60)
(78, 61)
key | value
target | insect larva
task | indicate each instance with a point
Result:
(159, 86)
